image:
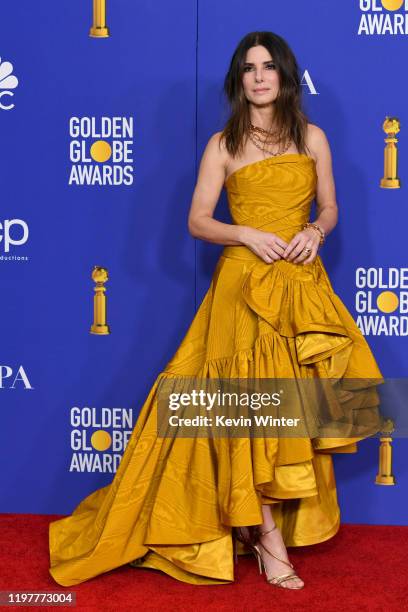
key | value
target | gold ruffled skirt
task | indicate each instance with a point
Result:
(173, 501)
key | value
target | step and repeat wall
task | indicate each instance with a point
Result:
(101, 140)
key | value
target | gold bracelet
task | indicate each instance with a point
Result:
(316, 227)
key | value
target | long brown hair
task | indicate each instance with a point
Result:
(288, 114)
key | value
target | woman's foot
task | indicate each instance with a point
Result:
(273, 541)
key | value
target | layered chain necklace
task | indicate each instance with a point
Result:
(262, 138)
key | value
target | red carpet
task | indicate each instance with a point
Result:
(362, 566)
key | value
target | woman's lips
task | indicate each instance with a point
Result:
(260, 90)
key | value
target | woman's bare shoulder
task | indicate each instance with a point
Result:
(315, 135)
(316, 140)
(213, 163)
(216, 142)
(216, 150)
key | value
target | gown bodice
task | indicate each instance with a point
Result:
(273, 194)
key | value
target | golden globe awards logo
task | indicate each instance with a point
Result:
(382, 301)
(99, 438)
(382, 17)
(100, 151)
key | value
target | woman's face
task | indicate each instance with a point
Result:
(260, 79)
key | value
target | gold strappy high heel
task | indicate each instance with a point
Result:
(251, 539)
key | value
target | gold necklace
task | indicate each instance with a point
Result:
(263, 137)
(267, 134)
(260, 129)
(255, 137)
(272, 153)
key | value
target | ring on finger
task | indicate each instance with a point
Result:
(304, 254)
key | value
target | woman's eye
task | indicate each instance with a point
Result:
(269, 66)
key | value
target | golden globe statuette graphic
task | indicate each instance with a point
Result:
(385, 476)
(99, 326)
(99, 28)
(391, 126)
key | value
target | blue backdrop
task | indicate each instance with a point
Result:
(161, 71)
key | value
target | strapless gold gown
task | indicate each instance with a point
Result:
(172, 502)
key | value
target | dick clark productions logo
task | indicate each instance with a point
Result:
(7, 82)
(101, 151)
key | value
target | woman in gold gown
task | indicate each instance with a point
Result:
(180, 504)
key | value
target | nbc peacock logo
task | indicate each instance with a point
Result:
(8, 81)
(383, 17)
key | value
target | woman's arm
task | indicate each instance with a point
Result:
(206, 194)
(327, 211)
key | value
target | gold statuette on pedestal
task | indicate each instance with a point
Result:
(99, 326)
(99, 28)
(385, 476)
(391, 126)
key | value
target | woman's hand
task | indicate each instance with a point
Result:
(268, 246)
(307, 238)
